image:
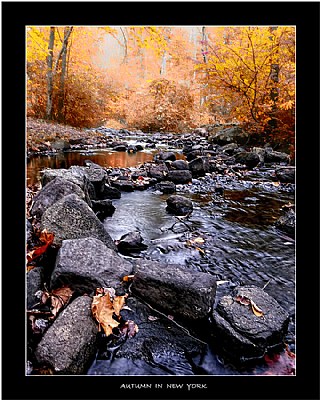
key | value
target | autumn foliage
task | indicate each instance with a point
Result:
(166, 78)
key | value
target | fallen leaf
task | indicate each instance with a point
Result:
(118, 303)
(127, 278)
(47, 239)
(152, 318)
(256, 310)
(243, 300)
(59, 298)
(198, 240)
(132, 328)
(102, 310)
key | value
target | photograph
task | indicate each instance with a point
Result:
(157, 184)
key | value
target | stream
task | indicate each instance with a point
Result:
(241, 244)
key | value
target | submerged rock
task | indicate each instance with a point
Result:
(239, 333)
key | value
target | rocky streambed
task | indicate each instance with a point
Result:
(198, 247)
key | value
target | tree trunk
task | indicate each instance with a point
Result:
(204, 52)
(50, 74)
(61, 95)
(274, 91)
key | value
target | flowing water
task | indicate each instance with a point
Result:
(241, 244)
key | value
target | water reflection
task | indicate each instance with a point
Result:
(105, 158)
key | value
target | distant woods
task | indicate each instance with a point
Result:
(164, 78)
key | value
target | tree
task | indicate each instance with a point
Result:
(50, 74)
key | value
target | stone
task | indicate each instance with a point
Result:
(180, 164)
(51, 193)
(186, 294)
(60, 145)
(159, 172)
(166, 187)
(229, 148)
(85, 264)
(276, 157)
(286, 174)
(287, 223)
(33, 285)
(180, 176)
(167, 156)
(230, 135)
(248, 158)
(110, 192)
(179, 205)
(72, 218)
(131, 243)
(103, 208)
(239, 333)
(199, 166)
(69, 346)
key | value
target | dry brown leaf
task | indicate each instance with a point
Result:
(243, 300)
(256, 310)
(118, 303)
(59, 298)
(198, 240)
(47, 239)
(102, 310)
(127, 278)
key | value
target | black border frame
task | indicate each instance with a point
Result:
(15, 16)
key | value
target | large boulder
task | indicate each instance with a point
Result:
(188, 295)
(85, 264)
(166, 187)
(239, 333)
(51, 193)
(103, 208)
(179, 164)
(69, 345)
(179, 205)
(72, 218)
(230, 135)
(34, 284)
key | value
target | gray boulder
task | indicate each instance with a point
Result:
(188, 295)
(179, 205)
(51, 193)
(72, 218)
(230, 135)
(131, 242)
(166, 187)
(239, 333)
(286, 174)
(103, 208)
(69, 345)
(276, 157)
(179, 164)
(85, 264)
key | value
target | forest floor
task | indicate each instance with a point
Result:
(40, 131)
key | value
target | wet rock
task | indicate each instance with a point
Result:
(287, 223)
(167, 156)
(166, 187)
(97, 177)
(229, 148)
(85, 264)
(124, 185)
(230, 135)
(180, 176)
(260, 151)
(179, 205)
(239, 333)
(69, 345)
(72, 218)
(103, 208)
(276, 157)
(29, 232)
(159, 172)
(191, 155)
(188, 295)
(60, 145)
(248, 158)
(51, 193)
(199, 166)
(131, 243)
(34, 284)
(286, 174)
(120, 147)
(179, 164)
(131, 149)
(110, 192)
